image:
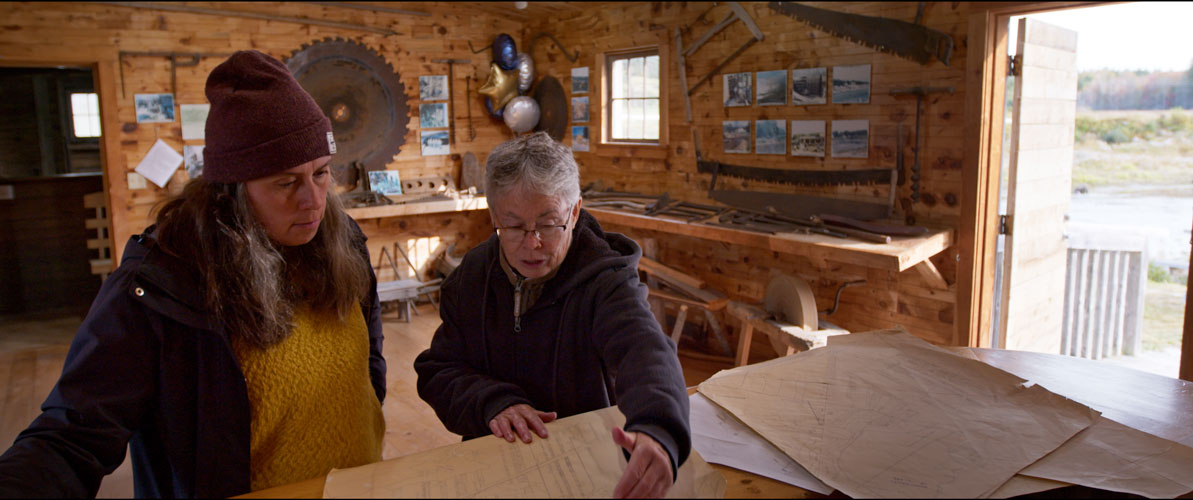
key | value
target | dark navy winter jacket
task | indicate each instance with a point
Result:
(150, 369)
(588, 342)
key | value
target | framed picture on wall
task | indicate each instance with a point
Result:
(580, 80)
(435, 142)
(432, 115)
(851, 138)
(580, 109)
(735, 136)
(580, 138)
(432, 88)
(809, 86)
(772, 88)
(386, 182)
(737, 90)
(192, 159)
(807, 138)
(154, 108)
(770, 136)
(851, 84)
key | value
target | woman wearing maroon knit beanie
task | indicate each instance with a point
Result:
(238, 345)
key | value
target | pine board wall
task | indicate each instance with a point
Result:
(48, 33)
(92, 34)
(888, 298)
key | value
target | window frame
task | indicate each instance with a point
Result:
(607, 144)
(70, 115)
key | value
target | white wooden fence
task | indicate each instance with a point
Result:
(1105, 283)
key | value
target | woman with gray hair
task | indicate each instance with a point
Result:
(547, 319)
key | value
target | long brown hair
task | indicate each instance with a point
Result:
(252, 284)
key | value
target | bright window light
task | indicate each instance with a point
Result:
(84, 110)
(634, 97)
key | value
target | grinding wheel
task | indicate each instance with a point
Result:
(791, 300)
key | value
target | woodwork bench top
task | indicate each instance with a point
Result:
(903, 252)
(431, 206)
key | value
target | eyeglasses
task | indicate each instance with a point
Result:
(546, 234)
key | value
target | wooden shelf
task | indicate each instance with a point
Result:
(431, 206)
(903, 252)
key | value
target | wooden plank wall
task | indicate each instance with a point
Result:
(888, 298)
(51, 32)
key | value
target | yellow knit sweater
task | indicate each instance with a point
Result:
(311, 403)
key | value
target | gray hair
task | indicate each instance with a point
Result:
(535, 162)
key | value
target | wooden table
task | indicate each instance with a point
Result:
(1159, 405)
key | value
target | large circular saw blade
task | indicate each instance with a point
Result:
(791, 300)
(362, 95)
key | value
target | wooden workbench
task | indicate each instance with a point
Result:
(903, 252)
(1159, 405)
(431, 206)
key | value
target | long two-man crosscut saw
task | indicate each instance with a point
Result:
(797, 205)
(901, 38)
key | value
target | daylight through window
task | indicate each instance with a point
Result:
(634, 97)
(84, 109)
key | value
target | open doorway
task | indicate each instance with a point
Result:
(50, 160)
(1129, 195)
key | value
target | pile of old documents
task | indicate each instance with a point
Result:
(884, 414)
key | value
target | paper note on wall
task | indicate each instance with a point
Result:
(194, 120)
(160, 163)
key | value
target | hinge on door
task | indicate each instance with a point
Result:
(1004, 224)
(1015, 65)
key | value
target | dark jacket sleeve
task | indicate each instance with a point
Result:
(371, 308)
(649, 382)
(451, 376)
(106, 386)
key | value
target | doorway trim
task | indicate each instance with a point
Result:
(103, 70)
(985, 95)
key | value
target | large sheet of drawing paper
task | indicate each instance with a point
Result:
(722, 439)
(1111, 456)
(884, 414)
(577, 460)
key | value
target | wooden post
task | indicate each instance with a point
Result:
(677, 330)
(747, 334)
(1186, 372)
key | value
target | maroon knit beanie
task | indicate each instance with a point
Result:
(261, 120)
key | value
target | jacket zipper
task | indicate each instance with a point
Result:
(518, 305)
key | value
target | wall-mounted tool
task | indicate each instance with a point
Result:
(892, 36)
(451, 96)
(364, 97)
(919, 93)
(798, 205)
(736, 12)
(175, 63)
(468, 99)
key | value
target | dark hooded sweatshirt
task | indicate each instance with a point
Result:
(587, 342)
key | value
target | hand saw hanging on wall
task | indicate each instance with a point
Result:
(798, 205)
(901, 38)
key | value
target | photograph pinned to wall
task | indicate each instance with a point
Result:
(432, 115)
(770, 136)
(154, 108)
(580, 80)
(580, 138)
(737, 90)
(580, 109)
(851, 84)
(432, 88)
(193, 160)
(735, 136)
(807, 138)
(159, 163)
(435, 142)
(194, 120)
(772, 88)
(809, 86)
(851, 138)
(386, 182)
